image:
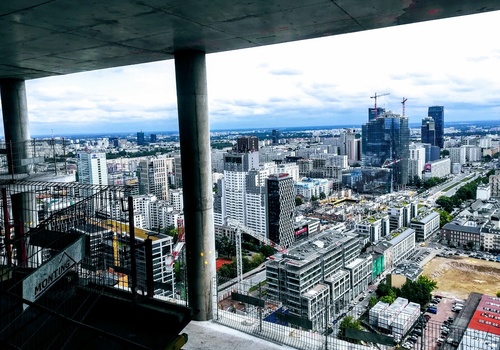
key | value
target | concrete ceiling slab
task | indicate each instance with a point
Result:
(41, 38)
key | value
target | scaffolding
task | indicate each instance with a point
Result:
(75, 271)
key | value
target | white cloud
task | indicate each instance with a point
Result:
(440, 62)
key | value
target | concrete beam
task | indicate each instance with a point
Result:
(194, 131)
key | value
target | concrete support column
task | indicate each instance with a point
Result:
(194, 131)
(15, 123)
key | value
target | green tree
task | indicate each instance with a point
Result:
(372, 301)
(389, 299)
(349, 322)
(267, 250)
(498, 294)
(322, 195)
(298, 201)
(446, 203)
(445, 153)
(314, 198)
(444, 217)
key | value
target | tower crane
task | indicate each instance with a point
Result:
(239, 227)
(403, 103)
(375, 97)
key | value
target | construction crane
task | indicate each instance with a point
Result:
(403, 103)
(375, 97)
(239, 227)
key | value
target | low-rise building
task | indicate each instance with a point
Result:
(425, 225)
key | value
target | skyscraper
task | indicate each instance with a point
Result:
(428, 131)
(276, 136)
(437, 113)
(140, 138)
(280, 209)
(385, 141)
(375, 113)
(92, 168)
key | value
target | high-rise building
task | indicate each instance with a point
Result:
(152, 138)
(280, 209)
(140, 138)
(247, 144)
(92, 168)
(231, 202)
(276, 136)
(375, 113)
(385, 141)
(416, 161)
(153, 176)
(428, 131)
(437, 113)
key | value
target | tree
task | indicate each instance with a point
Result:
(314, 198)
(444, 217)
(267, 250)
(498, 294)
(446, 203)
(322, 195)
(298, 201)
(445, 153)
(419, 291)
(349, 322)
(372, 301)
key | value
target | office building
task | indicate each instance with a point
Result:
(294, 277)
(385, 142)
(280, 209)
(92, 168)
(425, 225)
(152, 138)
(140, 139)
(417, 161)
(438, 168)
(276, 136)
(154, 175)
(375, 113)
(437, 113)
(428, 131)
(458, 155)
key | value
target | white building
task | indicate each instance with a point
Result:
(425, 225)
(176, 199)
(483, 192)
(416, 161)
(457, 155)
(312, 187)
(154, 174)
(92, 168)
(437, 168)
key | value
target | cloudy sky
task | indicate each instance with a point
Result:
(321, 82)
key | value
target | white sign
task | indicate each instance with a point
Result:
(40, 280)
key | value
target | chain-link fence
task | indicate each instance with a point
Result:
(246, 306)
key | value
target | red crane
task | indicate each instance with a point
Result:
(375, 97)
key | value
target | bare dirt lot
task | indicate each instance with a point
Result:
(458, 276)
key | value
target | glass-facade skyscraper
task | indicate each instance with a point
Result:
(437, 113)
(428, 131)
(386, 140)
(375, 113)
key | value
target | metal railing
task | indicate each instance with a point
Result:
(74, 240)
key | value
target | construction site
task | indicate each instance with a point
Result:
(458, 276)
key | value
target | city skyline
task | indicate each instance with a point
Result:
(325, 81)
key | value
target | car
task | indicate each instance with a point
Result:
(334, 322)
(427, 317)
(343, 315)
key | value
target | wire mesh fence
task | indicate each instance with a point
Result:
(247, 307)
(74, 240)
